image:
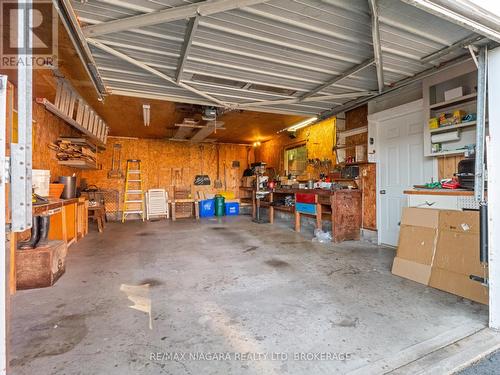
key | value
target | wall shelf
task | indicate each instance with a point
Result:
(448, 153)
(453, 102)
(447, 128)
(81, 164)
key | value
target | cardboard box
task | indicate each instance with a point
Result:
(420, 273)
(248, 181)
(458, 284)
(459, 221)
(457, 92)
(458, 252)
(420, 217)
(417, 244)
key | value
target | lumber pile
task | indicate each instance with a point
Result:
(75, 152)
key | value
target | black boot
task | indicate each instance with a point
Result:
(44, 231)
(35, 235)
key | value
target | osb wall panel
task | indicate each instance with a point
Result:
(319, 140)
(160, 159)
(368, 187)
(46, 129)
(356, 118)
(447, 166)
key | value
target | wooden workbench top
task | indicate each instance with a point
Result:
(452, 192)
(53, 204)
(304, 191)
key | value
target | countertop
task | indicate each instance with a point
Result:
(448, 192)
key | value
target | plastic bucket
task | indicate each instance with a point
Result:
(41, 180)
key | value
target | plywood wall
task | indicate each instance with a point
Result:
(46, 129)
(447, 166)
(319, 140)
(161, 158)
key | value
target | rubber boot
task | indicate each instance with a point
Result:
(44, 223)
(35, 235)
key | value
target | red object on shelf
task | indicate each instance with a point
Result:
(305, 198)
(453, 184)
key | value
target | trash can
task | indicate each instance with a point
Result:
(69, 186)
(219, 205)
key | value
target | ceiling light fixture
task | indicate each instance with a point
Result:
(146, 114)
(300, 125)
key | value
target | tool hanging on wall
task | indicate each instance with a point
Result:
(115, 171)
(248, 171)
(201, 179)
(218, 182)
(225, 176)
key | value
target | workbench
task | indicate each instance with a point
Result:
(341, 207)
(68, 224)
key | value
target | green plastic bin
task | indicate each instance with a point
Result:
(219, 205)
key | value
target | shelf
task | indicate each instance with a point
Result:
(82, 164)
(453, 102)
(449, 152)
(453, 127)
(284, 208)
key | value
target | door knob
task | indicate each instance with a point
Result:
(382, 191)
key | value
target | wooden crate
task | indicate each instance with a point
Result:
(40, 267)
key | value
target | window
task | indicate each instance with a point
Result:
(296, 160)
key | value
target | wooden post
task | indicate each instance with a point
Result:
(173, 210)
(271, 208)
(254, 204)
(318, 214)
(297, 221)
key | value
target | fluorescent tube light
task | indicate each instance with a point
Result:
(302, 124)
(146, 114)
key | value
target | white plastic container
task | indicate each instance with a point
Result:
(41, 181)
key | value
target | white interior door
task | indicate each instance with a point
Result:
(401, 164)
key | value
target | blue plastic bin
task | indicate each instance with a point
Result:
(232, 208)
(306, 208)
(207, 208)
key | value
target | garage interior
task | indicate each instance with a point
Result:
(271, 187)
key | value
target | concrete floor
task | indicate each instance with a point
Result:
(221, 288)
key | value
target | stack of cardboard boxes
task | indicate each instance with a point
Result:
(440, 248)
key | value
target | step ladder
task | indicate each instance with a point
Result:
(133, 198)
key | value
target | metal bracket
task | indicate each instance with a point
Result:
(5, 175)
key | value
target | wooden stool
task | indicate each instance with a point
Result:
(98, 213)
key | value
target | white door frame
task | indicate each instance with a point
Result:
(374, 120)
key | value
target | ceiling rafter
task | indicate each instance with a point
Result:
(377, 49)
(336, 79)
(463, 43)
(186, 47)
(157, 73)
(204, 8)
(322, 98)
